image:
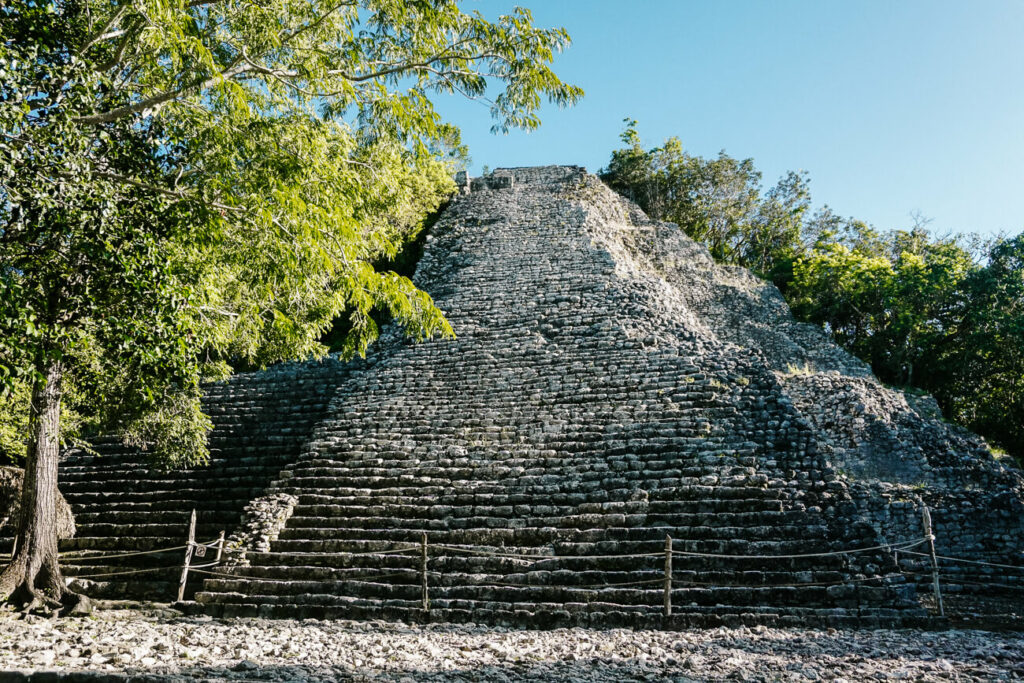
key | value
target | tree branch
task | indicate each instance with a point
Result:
(153, 101)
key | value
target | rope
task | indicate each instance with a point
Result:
(202, 566)
(499, 584)
(69, 554)
(954, 580)
(122, 573)
(959, 559)
(486, 553)
(789, 585)
(356, 579)
(350, 554)
(896, 546)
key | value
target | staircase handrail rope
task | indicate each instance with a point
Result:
(211, 545)
(121, 573)
(661, 580)
(839, 582)
(487, 553)
(988, 584)
(394, 551)
(901, 546)
(501, 584)
(68, 553)
(960, 559)
(269, 580)
(956, 580)
(202, 566)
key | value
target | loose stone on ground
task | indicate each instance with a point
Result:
(149, 646)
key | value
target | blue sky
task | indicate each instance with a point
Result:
(891, 106)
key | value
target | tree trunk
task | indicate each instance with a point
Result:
(33, 579)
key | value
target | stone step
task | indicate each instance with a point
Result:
(141, 529)
(608, 554)
(242, 476)
(552, 614)
(396, 515)
(565, 493)
(582, 528)
(387, 591)
(112, 543)
(405, 569)
(136, 589)
(136, 515)
(343, 505)
(467, 467)
(183, 496)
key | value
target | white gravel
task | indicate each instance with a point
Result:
(178, 648)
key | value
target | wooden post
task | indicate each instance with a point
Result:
(926, 518)
(220, 547)
(423, 574)
(188, 556)
(668, 575)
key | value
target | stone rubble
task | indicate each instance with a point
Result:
(146, 646)
(262, 522)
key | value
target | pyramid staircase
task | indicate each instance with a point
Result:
(125, 509)
(546, 453)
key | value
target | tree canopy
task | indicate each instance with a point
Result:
(189, 182)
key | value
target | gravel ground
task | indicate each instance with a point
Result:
(161, 646)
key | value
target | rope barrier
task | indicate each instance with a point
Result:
(357, 579)
(486, 553)
(122, 573)
(960, 559)
(365, 553)
(790, 585)
(68, 554)
(500, 584)
(956, 580)
(895, 546)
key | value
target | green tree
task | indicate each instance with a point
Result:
(717, 202)
(184, 182)
(982, 362)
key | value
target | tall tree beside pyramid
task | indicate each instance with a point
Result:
(188, 181)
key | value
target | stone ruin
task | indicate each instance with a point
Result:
(609, 386)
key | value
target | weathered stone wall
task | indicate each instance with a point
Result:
(876, 437)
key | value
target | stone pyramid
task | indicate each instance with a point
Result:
(609, 386)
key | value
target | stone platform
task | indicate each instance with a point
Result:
(609, 386)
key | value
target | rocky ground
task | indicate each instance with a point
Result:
(154, 645)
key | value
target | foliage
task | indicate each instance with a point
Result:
(945, 315)
(718, 202)
(190, 183)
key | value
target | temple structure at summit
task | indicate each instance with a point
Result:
(611, 393)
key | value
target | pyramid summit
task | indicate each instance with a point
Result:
(611, 393)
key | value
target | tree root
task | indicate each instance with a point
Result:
(40, 590)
